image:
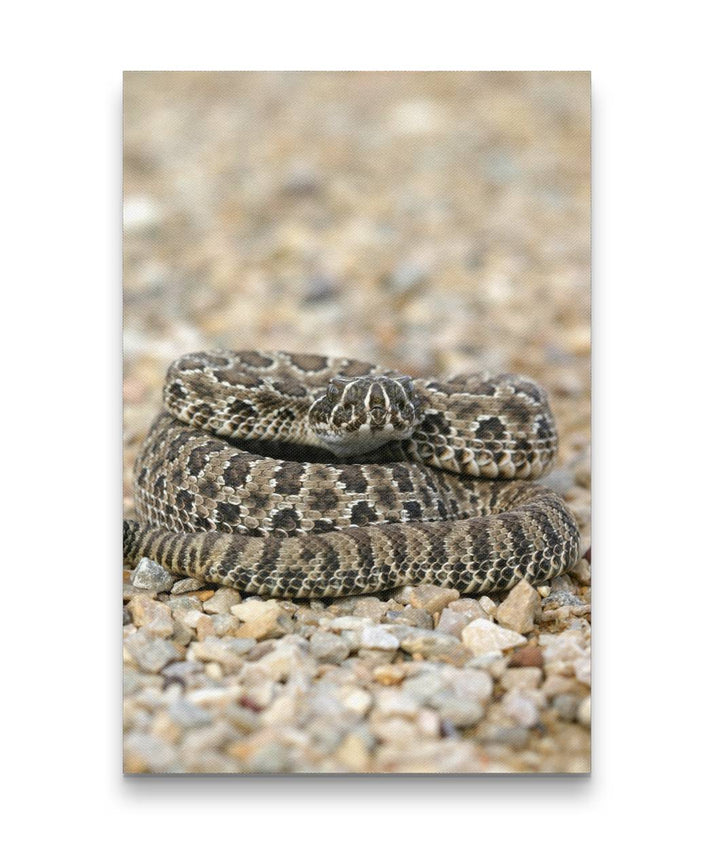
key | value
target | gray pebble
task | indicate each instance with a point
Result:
(145, 753)
(379, 638)
(188, 715)
(566, 706)
(151, 654)
(461, 712)
(151, 577)
(328, 647)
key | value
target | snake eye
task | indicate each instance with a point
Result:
(408, 413)
(333, 393)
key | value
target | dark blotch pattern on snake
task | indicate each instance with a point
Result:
(300, 476)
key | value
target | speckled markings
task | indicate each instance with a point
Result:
(413, 510)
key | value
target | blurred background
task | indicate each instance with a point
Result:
(431, 222)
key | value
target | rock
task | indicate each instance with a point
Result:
(188, 715)
(349, 622)
(432, 645)
(431, 598)
(426, 686)
(223, 624)
(151, 654)
(370, 607)
(389, 674)
(486, 661)
(145, 753)
(581, 572)
(377, 637)
(530, 655)
(560, 598)
(528, 677)
(228, 651)
(320, 288)
(141, 214)
(482, 636)
(488, 605)
(452, 623)
(410, 617)
(357, 700)
(583, 669)
(221, 601)
(284, 661)
(583, 712)
(192, 617)
(262, 619)
(353, 754)
(180, 605)
(513, 736)
(566, 706)
(558, 685)
(522, 707)
(472, 685)
(518, 609)
(470, 609)
(151, 577)
(328, 647)
(461, 712)
(154, 616)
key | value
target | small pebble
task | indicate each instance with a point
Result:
(521, 707)
(431, 598)
(377, 637)
(328, 647)
(221, 601)
(151, 577)
(482, 636)
(261, 619)
(517, 611)
(584, 713)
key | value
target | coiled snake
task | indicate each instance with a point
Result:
(296, 475)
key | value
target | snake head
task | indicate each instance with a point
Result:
(355, 415)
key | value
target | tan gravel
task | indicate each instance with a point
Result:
(433, 222)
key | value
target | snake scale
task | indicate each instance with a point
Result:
(304, 476)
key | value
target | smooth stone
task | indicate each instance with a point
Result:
(378, 638)
(584, 712)
(461, 712)
(328, 647)
(528, 677)
(566, 706)
(521, 707)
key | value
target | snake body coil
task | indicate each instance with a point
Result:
(296, 475)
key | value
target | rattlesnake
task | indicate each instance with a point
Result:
(296, 475)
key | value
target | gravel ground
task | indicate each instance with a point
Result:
(433, 222)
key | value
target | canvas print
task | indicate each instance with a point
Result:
(356, 390)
